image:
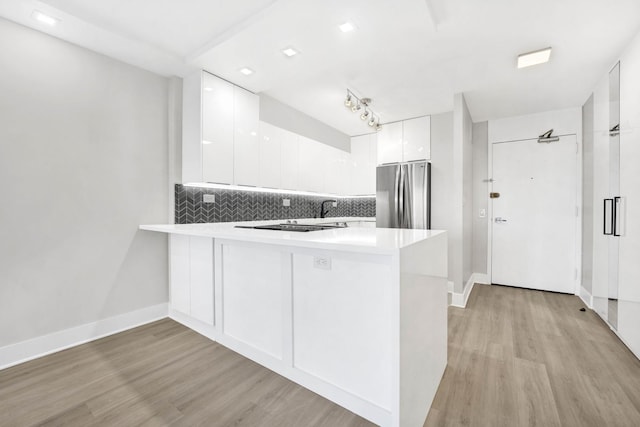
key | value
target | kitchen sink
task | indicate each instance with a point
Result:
(293, 227)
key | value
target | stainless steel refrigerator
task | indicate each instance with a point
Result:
(403, 195)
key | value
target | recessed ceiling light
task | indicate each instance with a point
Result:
(208, 89)
(205, 142)
(290, 52)
(246, 71)
(347, 27)
(534, 58)
(44, 18)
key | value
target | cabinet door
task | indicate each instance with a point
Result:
(370, 180)
(180, 295)
(416, 139)
(312, 164)
(270, 155)
(629, 218)
(246, 150)
(289, 158)
(217, 130)
(390, 143)
(341, 332)
(360, 164)
(201, 280)
(336, 176)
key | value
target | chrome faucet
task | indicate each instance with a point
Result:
(323, 212)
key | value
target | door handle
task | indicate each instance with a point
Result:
(608, 214)
(500, 219)
(616, 216)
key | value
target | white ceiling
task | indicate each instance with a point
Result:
(410, 56)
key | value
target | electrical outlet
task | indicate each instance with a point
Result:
(209, 198)
(322, 262)
(334, 204)
(286, 202)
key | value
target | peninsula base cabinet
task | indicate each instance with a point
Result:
(365, 330)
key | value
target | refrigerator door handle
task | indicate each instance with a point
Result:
(400, 190)
(395, 221)
(409, 199)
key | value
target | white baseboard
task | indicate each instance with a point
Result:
(460, 299)
(586, 297)
(20, 352)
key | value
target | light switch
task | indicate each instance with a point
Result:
(286, 202)
(334, 204)
(209, 198)
(483, 213)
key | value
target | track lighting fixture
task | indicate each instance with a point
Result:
(356, 104)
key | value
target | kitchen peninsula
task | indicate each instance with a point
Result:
(356, 314)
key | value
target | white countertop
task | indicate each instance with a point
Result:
(352, 239)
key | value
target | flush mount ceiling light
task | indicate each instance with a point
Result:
(356, 104)
(44, 18)
(534, 58)
(347, 27)
(290, 52)
(246, 71)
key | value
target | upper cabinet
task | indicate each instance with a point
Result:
(224, 142)
(390, 143)
(362, 179)
(220, 132)
(405, 141)
(246, 148)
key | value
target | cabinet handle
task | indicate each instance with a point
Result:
(608, 202)
(616, 212)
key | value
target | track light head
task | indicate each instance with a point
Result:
(357, 107)
(365, 114)
(372, 121)
(378, 127)
(348, 102)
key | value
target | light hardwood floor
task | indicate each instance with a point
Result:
(519, 357)
(516, 358)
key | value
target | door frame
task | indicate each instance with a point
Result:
(579, 206)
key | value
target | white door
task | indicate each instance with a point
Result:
(535, 216)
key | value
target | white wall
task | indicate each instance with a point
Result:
(442, 185)
(467, 190)
(286, 117)
(83, 162)
(480, 197)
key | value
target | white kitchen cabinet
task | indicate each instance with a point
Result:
(270, 141)
(336, 176)
(363, 165)
(191, 263)
(341, 320)
(390, 143)
(289, 160)
(217, 130)
(416, 140)
(313, 159)
(405, 141)
(246, 148)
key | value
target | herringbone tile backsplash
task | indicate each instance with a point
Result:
(235, 205)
